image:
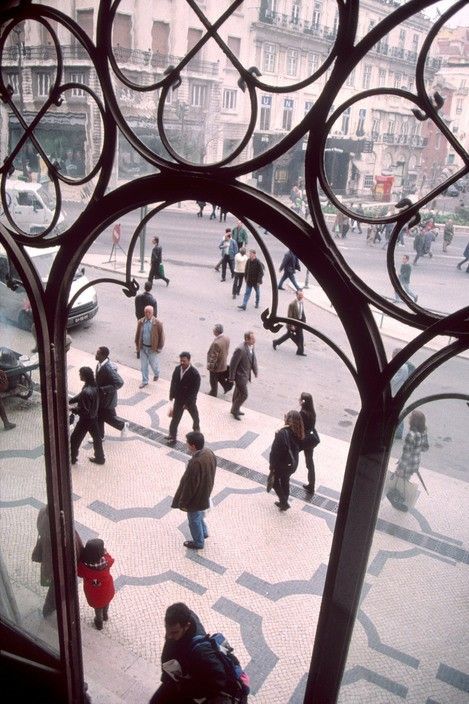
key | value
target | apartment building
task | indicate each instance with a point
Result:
(375, 144)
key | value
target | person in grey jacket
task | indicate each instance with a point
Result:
(243, 362)
(195, 487)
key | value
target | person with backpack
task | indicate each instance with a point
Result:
(192, 668)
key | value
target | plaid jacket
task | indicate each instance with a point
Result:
(414, 444)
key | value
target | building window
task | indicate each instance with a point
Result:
(270, 58)
(193, 36)
(199, 94)
(397, 80)
(350, 82)
(459, 104)
(366, 83)
(345, 121)
(382, 77)
(122, 31)
(438, 140)
(229, 99)
(295, 12)
(313, 63)
(391, 127)
(368, 181)
(78, 77)
(375, 130)
(287, 114)
(462, 85)
(85, 20)
(13, 81)
(361, 122)
(415, 43)
(316, 19)
(292, 62)
(234, 45)
(401, 38)
(160, 38)
(43, 84)
(308, 105)
(450, 158)
(264, 118)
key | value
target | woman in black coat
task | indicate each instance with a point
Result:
(284, 454)
(311, 439)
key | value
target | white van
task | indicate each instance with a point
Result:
(14, 303)
(30, 207)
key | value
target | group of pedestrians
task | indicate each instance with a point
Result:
(96, 405)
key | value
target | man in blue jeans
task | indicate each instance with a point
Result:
(195, 487)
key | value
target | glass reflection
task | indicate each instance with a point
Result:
(27, 595)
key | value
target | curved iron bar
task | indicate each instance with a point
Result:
(455, 396)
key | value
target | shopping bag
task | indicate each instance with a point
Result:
(400, 490)
(161, 271)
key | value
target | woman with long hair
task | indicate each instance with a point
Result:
(308, 416)
(415, 443)
(283, 457)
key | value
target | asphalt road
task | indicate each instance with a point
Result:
(196, 299)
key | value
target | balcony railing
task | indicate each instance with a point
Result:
(285, 21)
(388, 138)
(76, 52)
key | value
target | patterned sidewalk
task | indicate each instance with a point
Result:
(260, 577)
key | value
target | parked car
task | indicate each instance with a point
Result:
(30, 207)
(14, 302)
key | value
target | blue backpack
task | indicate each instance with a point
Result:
(237, 680)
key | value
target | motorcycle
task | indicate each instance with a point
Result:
(18, 368)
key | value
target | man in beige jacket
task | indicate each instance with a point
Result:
(149, 341)
(217, 361)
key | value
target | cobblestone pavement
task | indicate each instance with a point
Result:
(260, 577)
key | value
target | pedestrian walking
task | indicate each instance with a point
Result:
(195, 488)
(341, 225)
(240, 261)
(311, 438)
(185, 385)
(149, 341)
(359, 211)
(466, 259)
(213, 214)
(283, 458)
(448, 234)
(404, 279)
(157, 267)
(239, 235)
(289, 265)
(94, 567)
(223, 214)
(242, 364)
(296, 310)
(108, 381)
(145, 299)
(416, 442)
(201, 204)
(217, 361)
(253, 275)
(42, 553)
(419, 245)
(228, 248)
(86, 405)
(188, 673)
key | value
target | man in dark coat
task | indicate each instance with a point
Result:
(188, 673)
(108, 381)
(217, 361)
(289, 265)
(253, 275)
(296, 310)
(144, 299)
(86, 404)
(185, 384)
(156, 262)
(243, 362)
(195, 487)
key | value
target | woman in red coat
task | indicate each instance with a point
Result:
(94, 566)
